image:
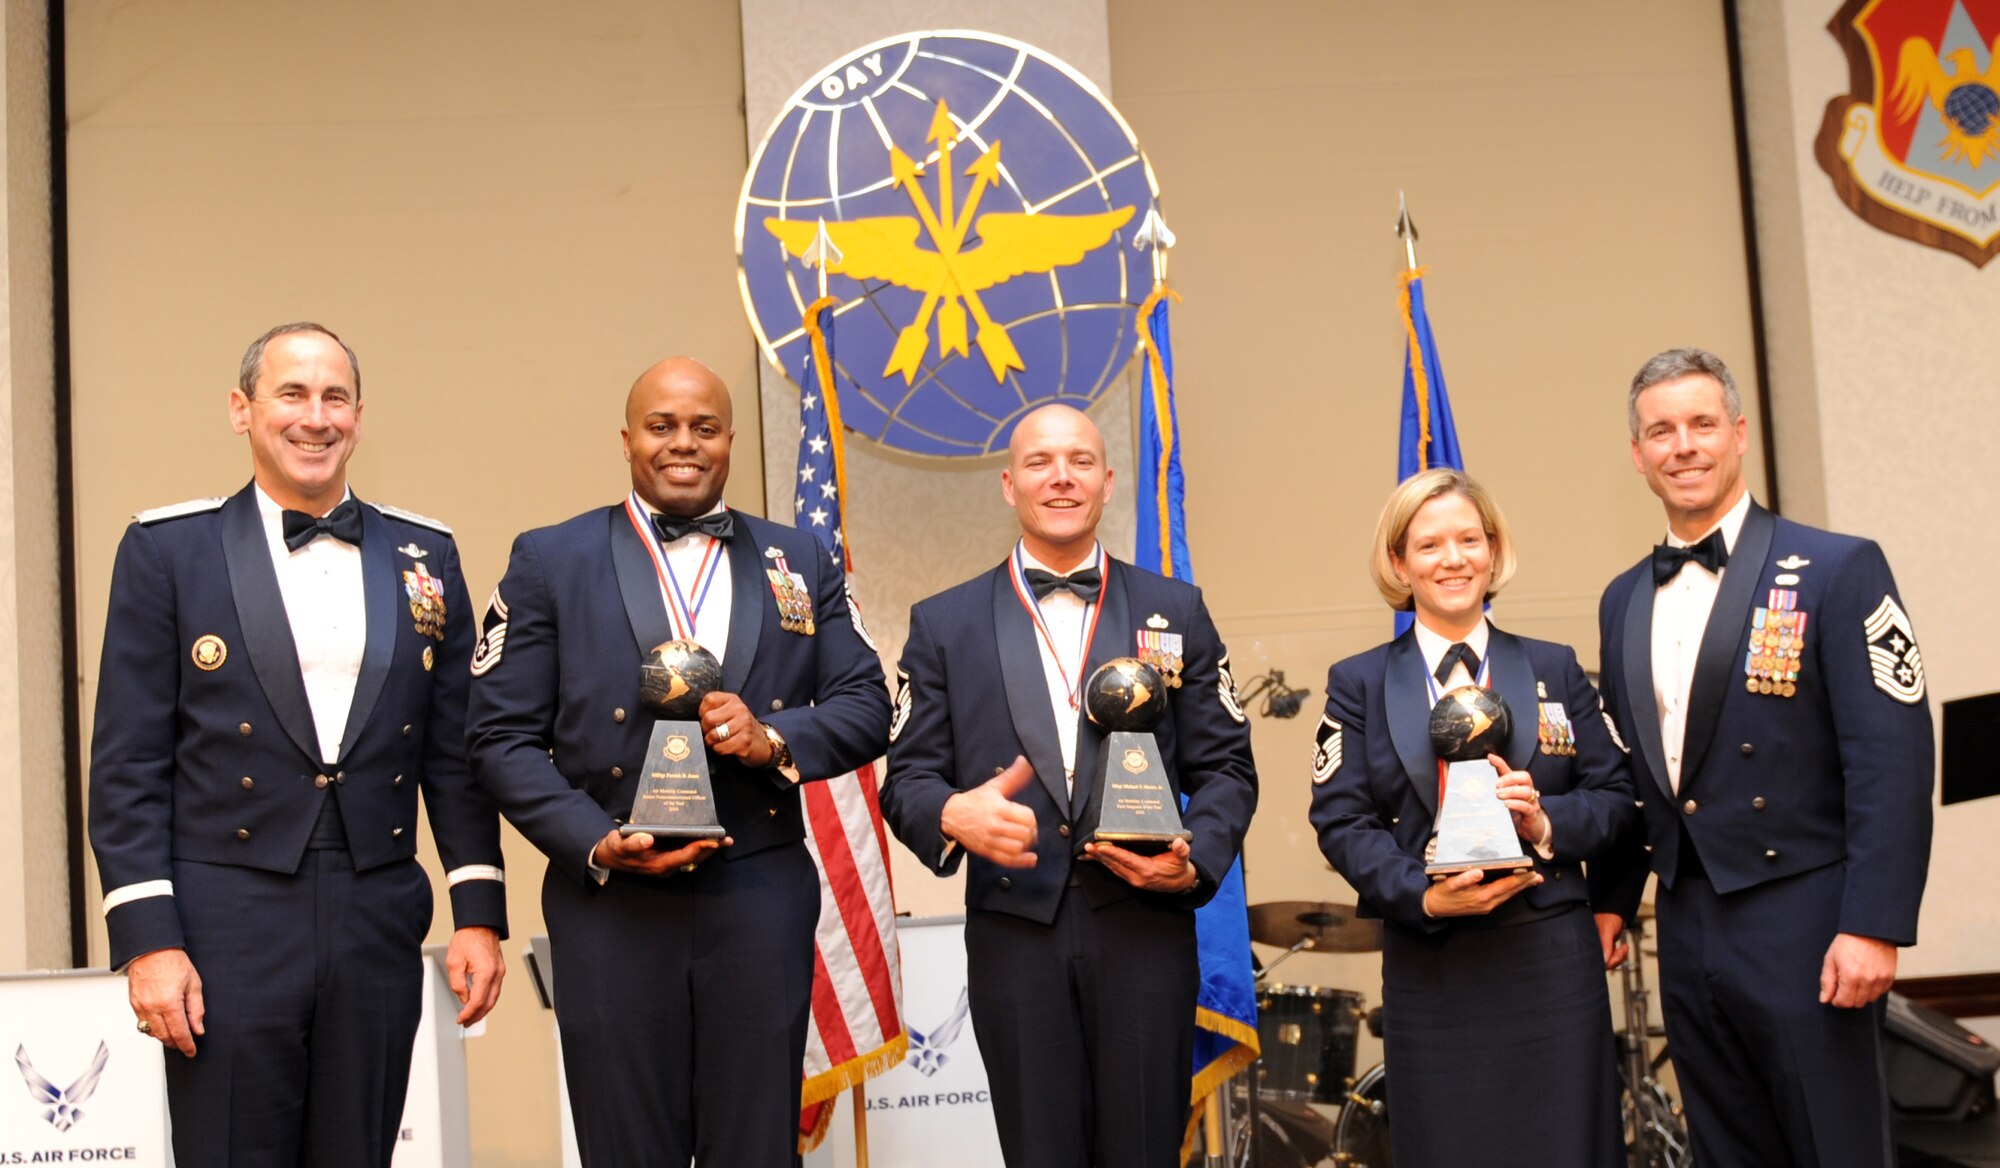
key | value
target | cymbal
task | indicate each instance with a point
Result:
(1323, 926)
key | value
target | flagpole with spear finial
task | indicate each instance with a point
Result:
(1406, 230)
(1153, 235)
(821, 256)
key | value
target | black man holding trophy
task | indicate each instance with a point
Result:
(683, 962)
(1497, 1022)
(1080, 955)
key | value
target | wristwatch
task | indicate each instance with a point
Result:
(781, 755)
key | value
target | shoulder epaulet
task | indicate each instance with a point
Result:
(177, 510)
(436, 525)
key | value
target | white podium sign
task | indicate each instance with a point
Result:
(90, 1089)
(436, 1131)
(937, 1097)
(86, 1087)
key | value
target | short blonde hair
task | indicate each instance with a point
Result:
(1393, 530)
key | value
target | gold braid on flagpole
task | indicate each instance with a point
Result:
(1418, 377)
(1163, 415)
(823, 368)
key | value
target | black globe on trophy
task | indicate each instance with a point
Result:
(676, 800)
(1136, 805)
(1474, 829)
(1469, 723)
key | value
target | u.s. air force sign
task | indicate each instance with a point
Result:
(981, 197)
(1914, 148)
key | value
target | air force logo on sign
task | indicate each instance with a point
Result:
(62, 1104)
(927, 1048)
(981, 196)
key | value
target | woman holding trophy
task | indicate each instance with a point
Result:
(1461, 777)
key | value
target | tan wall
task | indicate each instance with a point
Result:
(34, 845)
(509, 208)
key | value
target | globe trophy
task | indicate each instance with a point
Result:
(675, 799)
(1136, 805)
(1474, 829)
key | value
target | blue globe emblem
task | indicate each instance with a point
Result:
(983, 197)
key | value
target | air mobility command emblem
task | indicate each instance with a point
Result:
(1914, 147)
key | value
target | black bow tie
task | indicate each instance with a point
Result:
(1452, 656)
(1711, 553)
(720, 525)
(1083, 585)
(342, 523)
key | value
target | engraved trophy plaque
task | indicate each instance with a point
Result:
(1474, 829)
(1136, 805)
(676, 800)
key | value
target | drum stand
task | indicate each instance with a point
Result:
(1655, 1131)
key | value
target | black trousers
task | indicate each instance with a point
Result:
(683, 1003)
(1499, 1049)
(1771, 1078)
(1086, 1026)
(313, 987)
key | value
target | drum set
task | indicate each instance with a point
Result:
(1301, 1104)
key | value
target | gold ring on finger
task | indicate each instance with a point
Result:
(145, 1027)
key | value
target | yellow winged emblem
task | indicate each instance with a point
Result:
(1971, 132)
(950, 276)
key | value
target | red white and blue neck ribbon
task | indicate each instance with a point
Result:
(1017, 569)
(682, 615)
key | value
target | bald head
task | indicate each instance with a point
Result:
(676, 371)
(1052, 421)
(678, 430)
(1058, 482)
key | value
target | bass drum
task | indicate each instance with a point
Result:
(1361, 1137)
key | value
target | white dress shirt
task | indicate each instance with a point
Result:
(328, 611)
(1680, 617)
(1432, 646)
(684, 556)
(1063, 655)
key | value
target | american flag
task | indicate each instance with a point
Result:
(857, 1027)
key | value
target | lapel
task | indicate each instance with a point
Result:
(1723, 640)
(638, 583)
(1513, 677)
(1113, 639)
(1027, 688)
(381, 591)
(260, 609)
(1406, 699)
(750, 595)
(1637, 646)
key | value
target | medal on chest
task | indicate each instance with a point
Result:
(1777, 645)
(1552, 728)
(795, 602)
(1161, 650)
(426, 593)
